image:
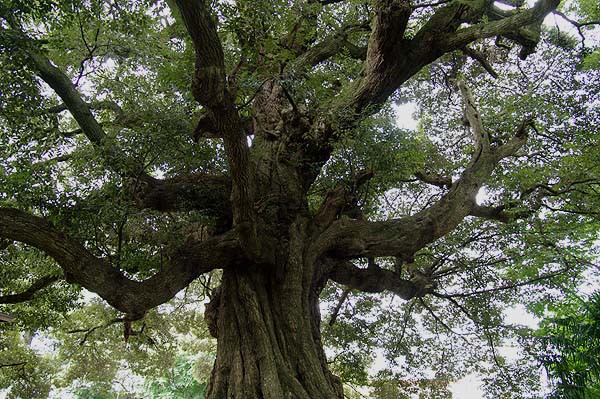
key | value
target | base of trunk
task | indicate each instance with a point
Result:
(269, 344)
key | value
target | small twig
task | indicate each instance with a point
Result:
(31, 291)
(439, 3)
(89, 331)
(336, 310)
(290, 100)
(503, 287)
(438, 320)
(13, 364)
(578, 25)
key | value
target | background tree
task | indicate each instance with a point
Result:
(569, 343)
(275, 168)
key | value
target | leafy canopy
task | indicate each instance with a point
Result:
(131, 63)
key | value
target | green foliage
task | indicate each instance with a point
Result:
(139, 55)
(181, 383)
(570, 341)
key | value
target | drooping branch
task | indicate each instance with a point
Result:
(191, 260)
(375, 279)
(29, 293)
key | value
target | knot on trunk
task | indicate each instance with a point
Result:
(211, 313)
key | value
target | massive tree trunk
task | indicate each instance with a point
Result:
(266, 322)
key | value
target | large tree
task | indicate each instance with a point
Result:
(270, 166)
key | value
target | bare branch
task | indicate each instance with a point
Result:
(338, 306)
(440, 321)
(576, 24)
(505, 286)
(479, 57)
(480, 136)
(375, 280)
(434, 179)
(88, 331)
(30, 292)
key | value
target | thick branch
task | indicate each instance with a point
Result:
(503, 27)
(393, 59)
(209, 80)
(30, 292)
(63, 86)
(99, 276)
(480, 136)
(209, 89)
(206, 193)
(374, 279)
(329, 47)
(349, 238)
(342, 198)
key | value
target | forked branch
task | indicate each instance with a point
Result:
(347, 238)
(191, 260)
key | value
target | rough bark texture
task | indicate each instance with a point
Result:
(267, 326)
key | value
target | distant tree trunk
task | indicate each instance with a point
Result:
(267, 327)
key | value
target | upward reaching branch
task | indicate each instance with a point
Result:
(392, 58)
(348, 238)
(209, 88)
(209, 79)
